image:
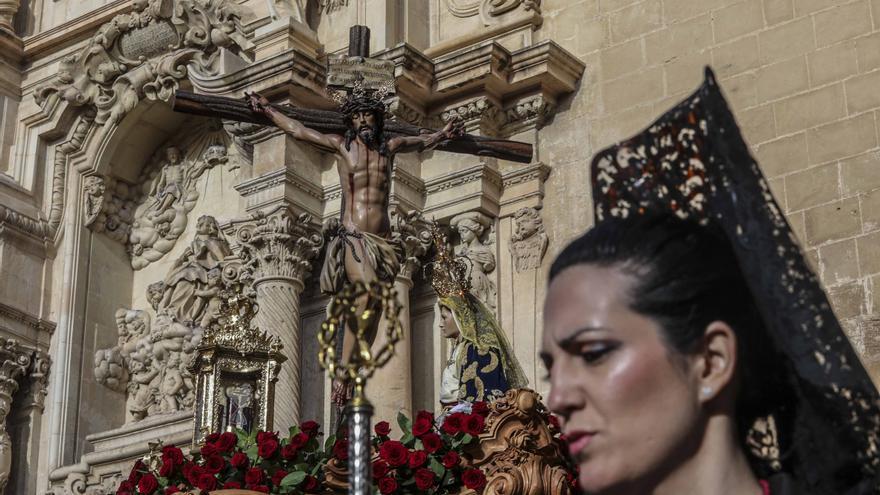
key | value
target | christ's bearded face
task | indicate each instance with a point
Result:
(365, 125)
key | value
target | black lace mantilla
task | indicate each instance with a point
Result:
(694, 162)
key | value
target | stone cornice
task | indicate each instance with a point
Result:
(535, 171)
(13, 317)
(463, 176)
(276, 178)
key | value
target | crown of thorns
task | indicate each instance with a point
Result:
(358, 98)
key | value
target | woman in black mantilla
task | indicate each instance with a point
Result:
(689, 347)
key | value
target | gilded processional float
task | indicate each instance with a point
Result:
(492, 435)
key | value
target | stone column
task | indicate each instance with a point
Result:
(390, 389)
(277, 249)
(14, 362)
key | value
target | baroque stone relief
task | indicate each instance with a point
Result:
(150, 215)
(529, 241)
(491, 10)
(476, 234)
(146, 53)
(149, 362)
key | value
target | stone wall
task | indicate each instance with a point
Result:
(802, 78)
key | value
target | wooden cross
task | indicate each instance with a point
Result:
(332, 122)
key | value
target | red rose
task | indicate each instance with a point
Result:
(268, 448)
(174, 453)
(278, 476)
(171, 490)
(394, 453)
(432, 442)
(288, 452)
(343, 432)
(166, 468)
(187, 471)
(310, 428)
(212, 437)
(553, 420)
(425, 415)
(422, 426)
(387, 486)
(473, 424)
(340, 450)
(418, 458)
(125, 488)
(380, 469)
(258, 488)
(226, 442)
(209, 449)
(206, 482)
(147, 483)
(231, 485)
(239, 460)
(299, 440)
(214, 464)
(253, 476)
(262, 436)
(310, 484)
(382, 428)
(480, 408)
(136, 471)
(424, 479)
(453, 423)
(450, 460)
(473, 479)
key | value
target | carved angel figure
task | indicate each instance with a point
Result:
(471, 229)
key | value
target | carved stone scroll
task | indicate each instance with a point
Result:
(145, 53)
(529, 241)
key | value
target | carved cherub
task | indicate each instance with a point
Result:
(169, 186)
(208, 299)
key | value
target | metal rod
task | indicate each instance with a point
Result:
(359, 412)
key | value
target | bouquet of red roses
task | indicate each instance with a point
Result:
(428, 457)
(259, 461)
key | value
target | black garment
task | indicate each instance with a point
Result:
(693, 162)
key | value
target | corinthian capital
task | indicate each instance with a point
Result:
(413, 232)
(15, 360)
(279, 244)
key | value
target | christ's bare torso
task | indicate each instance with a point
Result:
(364, 177)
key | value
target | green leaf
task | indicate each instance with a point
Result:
(404, 423)
(438, 468)
(407, 439)
(466, 439)
(252, 452)
(242, 436)
(293, 430)
(328, 444)
(293, 479)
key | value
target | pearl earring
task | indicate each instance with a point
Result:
(707, 391)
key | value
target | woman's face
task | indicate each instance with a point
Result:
(448, 326)
(630, 408)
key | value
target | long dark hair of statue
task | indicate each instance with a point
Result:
(687, 276)
(374, 141)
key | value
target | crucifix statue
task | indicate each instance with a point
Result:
(365, 146)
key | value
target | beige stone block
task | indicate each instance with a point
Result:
(622, 59)
(842, 23)
(863, 92)
(838, 262)
(606, 6)
(633, 89)
(810, 109)
(812, 256)
(832, 64)
(612, 128)
(868, 51)
(776, 11)
(738, 19)
(812, 187)
(870, 204)
(786, 40)
(848, 300)
(861, 173)
(679, 39)
(804, 7)
(735, 57)
(833, 221)
(784, 155)
(680, 10)
(796, 221)
(869, 253)
(757, 124)
(782, 79)
(777, 189)
(635, 20)
(741, 91)
(592, 35)
(875, 299)
(844, 138)
(685, 73)
(875, 13)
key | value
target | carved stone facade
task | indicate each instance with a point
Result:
(149, 361)
(529, 241)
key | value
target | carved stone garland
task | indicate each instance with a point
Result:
(145, 53)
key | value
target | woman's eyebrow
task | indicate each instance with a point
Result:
(567, 341)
